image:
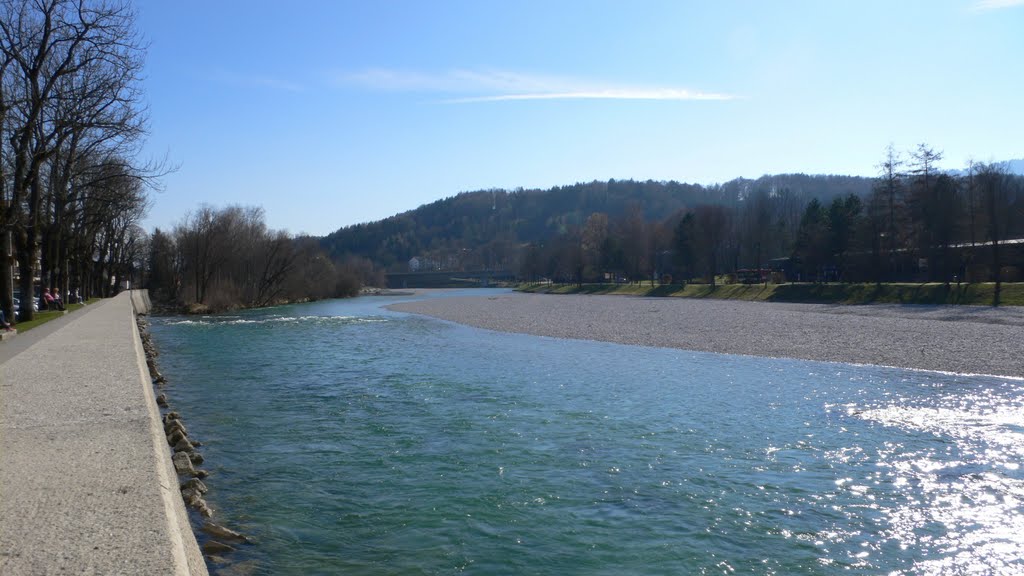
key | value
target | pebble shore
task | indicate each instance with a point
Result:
(961, 339)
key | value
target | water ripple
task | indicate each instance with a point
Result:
(215, 321)
(369, 442)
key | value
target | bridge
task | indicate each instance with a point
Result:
(449, 279)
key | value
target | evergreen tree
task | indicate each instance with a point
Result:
(811, 250)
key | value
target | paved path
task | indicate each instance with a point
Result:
(86, 485)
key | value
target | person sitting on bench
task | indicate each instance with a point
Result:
(57, 300)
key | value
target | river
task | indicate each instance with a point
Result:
(346, 438)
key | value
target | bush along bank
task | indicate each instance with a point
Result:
(216, 541)
(169, 308)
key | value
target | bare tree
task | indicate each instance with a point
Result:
(757, 221)
(944, 220)
(889, 193)
(874, 227)
(70, 78)
(995, 188)
(924, 207)
(712, 223)
(204, 244)
(227, 258)
(636, 250)
(684, 247)
(594, 237)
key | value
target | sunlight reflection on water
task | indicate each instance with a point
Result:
(344, 437)
(969, 509)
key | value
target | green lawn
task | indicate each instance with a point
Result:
(897, 293)
(40, 318)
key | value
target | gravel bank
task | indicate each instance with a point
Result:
(964, 339)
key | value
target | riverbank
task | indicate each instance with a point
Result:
(980, 294)
(86, 480)
(164, 308)
(962, 339)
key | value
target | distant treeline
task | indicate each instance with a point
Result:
(228, 258)
(488, 229)
(912, 222)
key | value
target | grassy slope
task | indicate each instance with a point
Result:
(977, 294)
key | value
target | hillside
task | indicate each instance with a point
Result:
(486, 229)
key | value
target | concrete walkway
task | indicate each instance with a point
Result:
(86, 483)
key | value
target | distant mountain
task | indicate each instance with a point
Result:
(1012, 166)
(487, 228)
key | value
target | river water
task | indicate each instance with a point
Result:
(348, 439)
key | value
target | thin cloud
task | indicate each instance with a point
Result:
(986, 5)
(466, 86)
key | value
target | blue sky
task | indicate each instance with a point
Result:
(329, 113)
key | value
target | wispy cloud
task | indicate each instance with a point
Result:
(986, 5)
(465, 86)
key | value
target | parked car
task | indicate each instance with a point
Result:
(17, 306)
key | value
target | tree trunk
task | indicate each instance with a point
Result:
(7, 276)
(996, 266)
(26, 285)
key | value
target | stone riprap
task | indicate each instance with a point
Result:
(86, 480)
(962, 339)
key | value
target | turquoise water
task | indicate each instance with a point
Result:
(349, 439)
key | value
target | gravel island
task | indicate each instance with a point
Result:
(961, 339)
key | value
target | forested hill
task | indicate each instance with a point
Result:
(487, 228)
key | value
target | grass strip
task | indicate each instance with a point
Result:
(980, 294)
(42, 317)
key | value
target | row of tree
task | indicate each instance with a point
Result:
(228, 258)
(72, 194)
(914, 223)
(71, 123)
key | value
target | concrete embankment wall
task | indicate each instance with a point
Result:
(86, 481)
(140, 300)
